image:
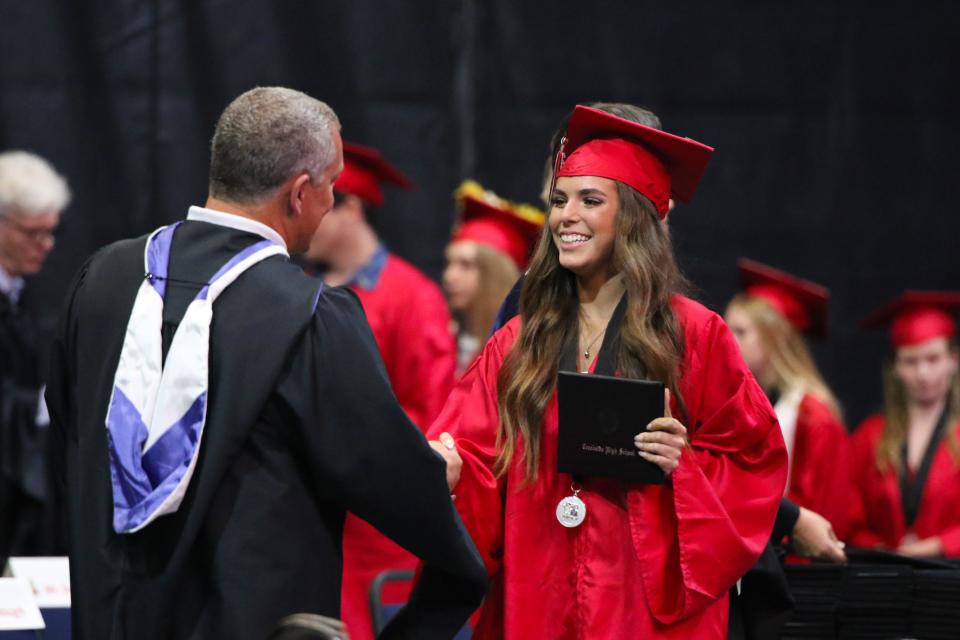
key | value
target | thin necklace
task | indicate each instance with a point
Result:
(586, 351)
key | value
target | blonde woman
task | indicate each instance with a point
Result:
(487, 252)
(906, 460)
(770, 317)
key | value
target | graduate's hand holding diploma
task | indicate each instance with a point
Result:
(446, 448)
(664, 440)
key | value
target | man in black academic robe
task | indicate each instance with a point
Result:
(301, 422)
(32, 195)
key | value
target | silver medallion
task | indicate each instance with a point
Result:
(571, 511)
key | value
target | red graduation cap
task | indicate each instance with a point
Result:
(655, 163)
(918, 316)
(364, 170)
(801, 302)
(505, 226)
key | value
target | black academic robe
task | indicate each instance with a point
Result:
(28, 508)
(301, 427)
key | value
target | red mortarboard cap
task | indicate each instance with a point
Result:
(500, 224)
(801, 302)
(655, 163)
(918, 316)
(364, 170)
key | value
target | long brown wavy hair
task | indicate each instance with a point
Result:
(896, 418)
(650, 343)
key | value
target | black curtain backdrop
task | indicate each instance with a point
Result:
(835, 123)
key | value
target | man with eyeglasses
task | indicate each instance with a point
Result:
(32, 195)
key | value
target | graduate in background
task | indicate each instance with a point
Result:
(405, 308)
(215, 418)
(487, 252)
(644, 560)
(769, 319)
(906, 460)
(411, 323)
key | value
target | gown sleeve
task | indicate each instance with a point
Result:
(57, 393)
(820, 477)
(787, 516)
(698, 535)
(471, 416)
(938, 515)
(862, 451)
(363, 453)
(950, 541)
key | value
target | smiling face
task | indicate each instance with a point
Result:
(926, 370)
(582, 221)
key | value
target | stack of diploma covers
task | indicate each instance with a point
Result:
(878, 594)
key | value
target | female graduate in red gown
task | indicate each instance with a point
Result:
(643, 560)
(906, 460)
(769, 319)
(486, 253)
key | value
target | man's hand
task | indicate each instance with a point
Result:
(813, 537)
(446, 448)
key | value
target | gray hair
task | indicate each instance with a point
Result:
(266, 136)
(29, 185)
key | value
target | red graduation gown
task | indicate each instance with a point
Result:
(819, 471)
(411, 324)
(648, 561)
(410, 321)
(880, 520)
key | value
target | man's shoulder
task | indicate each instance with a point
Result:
(274, 279)
(111, 267)
(119, 250)
(342, 295)
(282, 284)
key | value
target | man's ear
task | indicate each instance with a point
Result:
(297, 193)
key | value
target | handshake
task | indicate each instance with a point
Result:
(446, 448)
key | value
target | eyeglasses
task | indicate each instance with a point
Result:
(36, 235)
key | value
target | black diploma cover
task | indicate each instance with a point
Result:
(600, 414)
